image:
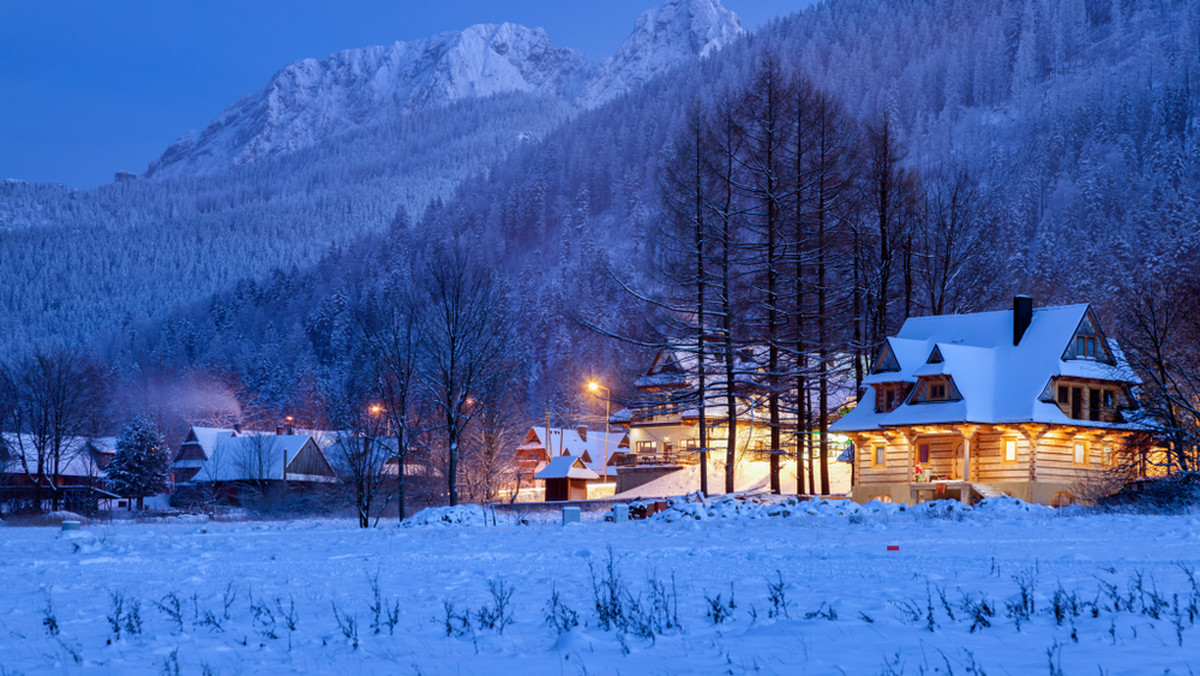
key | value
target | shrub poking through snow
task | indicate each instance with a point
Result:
(558, 616)
(497, 615)
(172, 607)
(777, 595)
(718, 611)
(347, 624)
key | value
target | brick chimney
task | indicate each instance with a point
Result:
(582, 430)
(1022, 316)
(278, 431)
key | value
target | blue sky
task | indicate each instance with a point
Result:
(88, 88)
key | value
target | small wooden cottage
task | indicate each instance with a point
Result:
(566, 478)
(1026, 402)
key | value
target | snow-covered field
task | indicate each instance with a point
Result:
(815, 589)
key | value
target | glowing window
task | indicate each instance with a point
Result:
(1010, 450)
(1080, 453)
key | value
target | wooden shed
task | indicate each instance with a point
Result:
(566, 478)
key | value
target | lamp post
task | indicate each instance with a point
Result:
(595, 387)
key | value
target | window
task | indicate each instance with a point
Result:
(647, 447)
(1106, 455)
(923, 453)
(691, 444)
(879, 456)
(1064, 394)
(891, 400)
(937, 391)
(1080, 453)
(1010, 450)
(1093, 404)
(1085, 346)
(1077, 403)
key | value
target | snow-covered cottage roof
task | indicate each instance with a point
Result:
(207, 438)
(569, 442)
(257, 457)
(79, 457)
(995, 381)
(567, 467)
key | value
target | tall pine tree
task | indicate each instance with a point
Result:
(141, 464)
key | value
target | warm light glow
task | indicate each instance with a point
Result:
(376, 409)
(593, 386)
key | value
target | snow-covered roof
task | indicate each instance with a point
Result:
(207, 438)
(255, 457)
(566, 467)
(568, 442)
(79, 457)
(998, 382)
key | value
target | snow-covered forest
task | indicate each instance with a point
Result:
(1071, 124)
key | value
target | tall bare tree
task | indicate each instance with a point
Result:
(58, 400)
(464, 329)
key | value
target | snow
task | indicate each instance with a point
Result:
(852, 605)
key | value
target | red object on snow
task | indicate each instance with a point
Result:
(893, 548)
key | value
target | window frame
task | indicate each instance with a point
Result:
(1016, 450)
(1077, 453)
(878, 456)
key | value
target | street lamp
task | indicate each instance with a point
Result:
(594, 387)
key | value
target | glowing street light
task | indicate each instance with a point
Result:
(595, 387)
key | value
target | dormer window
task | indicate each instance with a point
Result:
(934, 389)
(1088, 342)
(1085, 347)
(888, 396)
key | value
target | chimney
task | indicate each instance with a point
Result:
(1022, 316)
(237, 428)
(582, 429)
(278, 431)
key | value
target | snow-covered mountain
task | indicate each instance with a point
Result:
(662, 38)
(312, 100)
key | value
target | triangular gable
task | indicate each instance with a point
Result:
(1088, 341)
(886, 361)
(935, 357)
(664, 362)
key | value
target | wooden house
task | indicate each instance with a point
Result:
(220, 463)
(566, 478)
(599, 451)
(77, 481)
(1026, 402)
(664, 427)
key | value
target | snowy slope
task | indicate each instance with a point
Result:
(311, 100)
(664, 37)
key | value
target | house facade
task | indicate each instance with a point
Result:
(1027, 402)
(664, 430)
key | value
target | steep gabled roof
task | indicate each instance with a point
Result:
(998, 382)
(255, 457)
(566, 467)
(567, 442)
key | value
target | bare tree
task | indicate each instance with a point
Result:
(388, 326)
(57, 400)
(1163, 345)
(465, 327)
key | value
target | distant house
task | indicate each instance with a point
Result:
(225, 461)
(78, 480)
(664, 426)
(1028, 402)
(599, 452)
(566, 478)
